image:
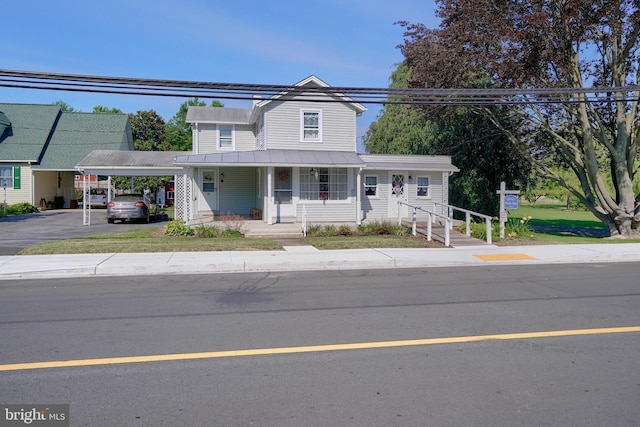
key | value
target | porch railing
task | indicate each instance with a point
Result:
(431, 217)
(450, 209)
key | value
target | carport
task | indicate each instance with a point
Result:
(125, 163)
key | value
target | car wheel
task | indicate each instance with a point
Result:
(110, 220)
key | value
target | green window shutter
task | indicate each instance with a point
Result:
(16, 177)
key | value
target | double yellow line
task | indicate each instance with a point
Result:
(310, 349)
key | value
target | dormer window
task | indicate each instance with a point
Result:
(311, 125)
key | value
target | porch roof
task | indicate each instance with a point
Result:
(408, 162)
(273, 158)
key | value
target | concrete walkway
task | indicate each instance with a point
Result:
(306, 258)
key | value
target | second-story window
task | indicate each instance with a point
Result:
(225, 138)
(311, 125)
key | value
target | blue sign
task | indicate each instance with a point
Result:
(511, 201)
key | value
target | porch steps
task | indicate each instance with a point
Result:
(255, 228)
(279, 231)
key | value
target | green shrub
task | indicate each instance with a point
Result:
(178, 228)
(330, 230)
(314, 230)
(19, 208)
(207, 231)
(232, 233)
(518, 228)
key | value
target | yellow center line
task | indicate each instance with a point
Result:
(310, 349)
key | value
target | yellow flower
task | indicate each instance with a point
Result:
(522, 221)
(530, 217)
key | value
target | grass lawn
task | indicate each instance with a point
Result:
(148, 240)
(556, 216)
(153, 240)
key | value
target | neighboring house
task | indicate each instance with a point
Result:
(40, 146)
(290, 158)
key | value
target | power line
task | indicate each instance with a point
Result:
(364, 95)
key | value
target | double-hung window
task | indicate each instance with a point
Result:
(422, 189)
(311, 125)
(323, 184)
(371, 186)
(225, 137)
(7, 178)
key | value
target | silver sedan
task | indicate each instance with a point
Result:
(131, 207)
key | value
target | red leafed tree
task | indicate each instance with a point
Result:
(575, 64)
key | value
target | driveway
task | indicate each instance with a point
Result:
(22, 231)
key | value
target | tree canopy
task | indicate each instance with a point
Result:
(538, 47)
(475, 146)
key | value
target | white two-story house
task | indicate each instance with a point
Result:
(294, 156)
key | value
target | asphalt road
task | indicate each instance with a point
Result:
(22, 231)
(571, 380)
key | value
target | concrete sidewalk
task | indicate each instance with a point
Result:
(305, 258)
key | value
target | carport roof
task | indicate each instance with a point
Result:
(130, 163)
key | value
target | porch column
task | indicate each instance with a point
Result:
(185, 199)
(359, 197)
(269, 203)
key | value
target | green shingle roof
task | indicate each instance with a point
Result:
(30, 125)
(56, 140)
(78, 134)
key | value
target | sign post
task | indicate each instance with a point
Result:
(508, 200)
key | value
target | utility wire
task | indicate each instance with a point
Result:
(364, 95)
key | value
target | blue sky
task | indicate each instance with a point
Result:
(344, 42)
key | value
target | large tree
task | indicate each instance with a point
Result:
(476, 147)
(552, 50)
(178, 131)
(148, 131)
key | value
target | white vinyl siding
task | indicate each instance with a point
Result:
(283, 126)
(207, 139)
(237, 194)
(244, 138)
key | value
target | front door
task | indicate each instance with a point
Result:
(208, 190)
(397, 194)
(283, 194)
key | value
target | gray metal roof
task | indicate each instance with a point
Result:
(408, 162)
(130, 163)
(218, 115)
(273, 158)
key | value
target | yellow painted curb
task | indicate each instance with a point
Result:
(504, 257)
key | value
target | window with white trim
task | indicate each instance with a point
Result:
(225, 137)
(371, 186)
(6, 176)
(323, 184)
(422, 187)
(311, 125)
